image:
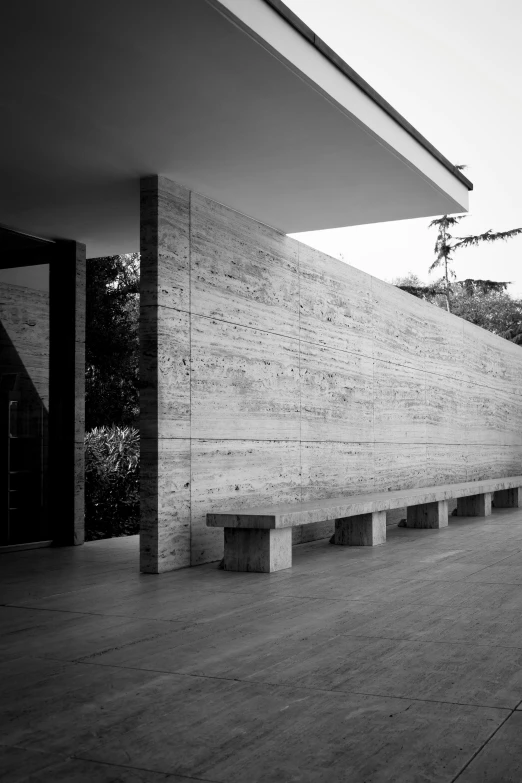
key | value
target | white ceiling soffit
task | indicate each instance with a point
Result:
(227, 98)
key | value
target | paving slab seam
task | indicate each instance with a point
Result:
(140, 769)
(465, 579)
(88, 614)
(88, 658)
(34, 750)
(432, 641)
(473, 573)
(311, 688)
(349, 600)
(68, 757)
(474, 756)
(210, 589)
(79, 592)
(493, 562)
(45, 609)
(129, 617)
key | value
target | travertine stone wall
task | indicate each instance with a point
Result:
(272, 372)
(24, 337)
(165, 377)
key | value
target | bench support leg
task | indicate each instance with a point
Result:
(428, 515)
(474, 505)
(262, 551)
(508, 498)
(361, 530)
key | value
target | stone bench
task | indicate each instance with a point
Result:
(260, 539)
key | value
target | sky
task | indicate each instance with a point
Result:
(453, 69)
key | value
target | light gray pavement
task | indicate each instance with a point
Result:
(395, 663)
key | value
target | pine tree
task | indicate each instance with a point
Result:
(444, 247)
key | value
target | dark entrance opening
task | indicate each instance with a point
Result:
(42, 380)
(24, 389)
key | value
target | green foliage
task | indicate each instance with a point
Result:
(514, 333)
(411, 280)
(476, 286)
(412, 284)
(488, 236)
(493, 310)
(112, 341)
(446, 244)
(485, 303)
(443, 244)
(111, 482)
(443, 257)
(423, 291)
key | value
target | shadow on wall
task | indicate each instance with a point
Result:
(24, 396)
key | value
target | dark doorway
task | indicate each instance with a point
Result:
(24, 389)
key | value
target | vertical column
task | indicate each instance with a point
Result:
(164, 376)
(508, 498)
(361, 530)
(475, 505)
(428, 515)
(262, 551)
(67, 392)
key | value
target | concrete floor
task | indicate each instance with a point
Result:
(398, 663)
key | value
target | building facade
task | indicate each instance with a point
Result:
(202, 133)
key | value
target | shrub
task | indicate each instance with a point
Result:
(112, 464)
(111, 341)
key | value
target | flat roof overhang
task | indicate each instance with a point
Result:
(236, 99)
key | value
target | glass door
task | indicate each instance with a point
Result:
(24, 395)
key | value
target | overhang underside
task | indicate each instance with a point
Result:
(225, 98)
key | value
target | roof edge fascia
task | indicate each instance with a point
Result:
(346, 72)
(303, 29)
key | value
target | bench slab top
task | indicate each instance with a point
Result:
(294, 514)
